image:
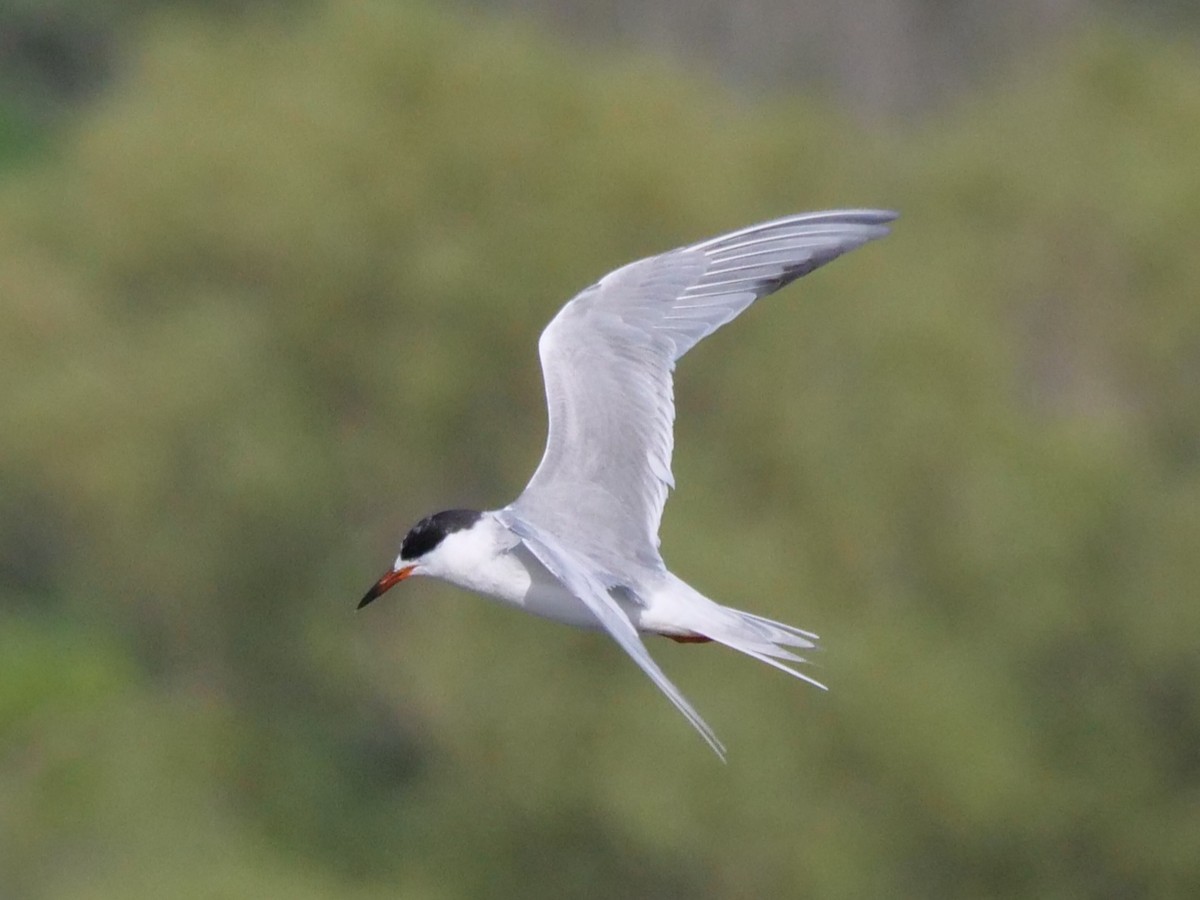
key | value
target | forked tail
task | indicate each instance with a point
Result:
(764, 639)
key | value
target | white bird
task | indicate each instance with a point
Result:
(580, 545)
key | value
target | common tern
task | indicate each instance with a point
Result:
(580, 544)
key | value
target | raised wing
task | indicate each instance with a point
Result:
(607, 359)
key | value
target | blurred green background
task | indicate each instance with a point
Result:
(271, 278)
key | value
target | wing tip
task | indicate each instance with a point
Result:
(867, 223)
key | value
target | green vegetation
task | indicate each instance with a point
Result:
(19, 138)
(277, 296)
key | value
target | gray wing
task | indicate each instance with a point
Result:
(577, 577)
(607, 359)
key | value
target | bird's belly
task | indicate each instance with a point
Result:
(524, 583)
(555, 603)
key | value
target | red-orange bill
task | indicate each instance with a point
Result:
(392, 578)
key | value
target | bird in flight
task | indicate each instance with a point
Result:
(580, 544)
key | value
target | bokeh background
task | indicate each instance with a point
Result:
(271, 278)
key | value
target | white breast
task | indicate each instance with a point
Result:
(489, 559)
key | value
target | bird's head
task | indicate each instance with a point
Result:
(425, 550)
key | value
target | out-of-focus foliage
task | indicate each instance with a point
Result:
(19, 137)
(278, 296)
(885, 61)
